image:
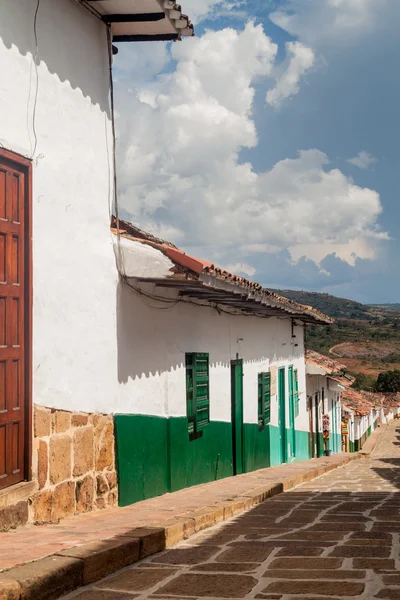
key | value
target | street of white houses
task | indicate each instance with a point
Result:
(128, 368)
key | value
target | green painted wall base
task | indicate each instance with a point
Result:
(358, 444)
(156, 456)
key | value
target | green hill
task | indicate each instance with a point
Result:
(330, 305)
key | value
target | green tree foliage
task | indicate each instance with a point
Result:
(365, 382)
(389, 381)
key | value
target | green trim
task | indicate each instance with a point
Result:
(257, 447)
(142, 462)
(201, 460)
(155, 456)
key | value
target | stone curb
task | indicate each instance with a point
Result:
(370, 445)
(51, 577)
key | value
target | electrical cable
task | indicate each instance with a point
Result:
(37, 79)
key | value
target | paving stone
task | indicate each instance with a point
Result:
(310, 574)
(217, 586)
(388, 594)
(226, 567)
(373, 563)
(306, 563)
(104, 595)
(136, 580)
(391, 579)
(246, 552)
(367, 551)
(187, 556)
(300, 551)
(329, 588)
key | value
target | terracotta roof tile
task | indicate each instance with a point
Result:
(196, 267)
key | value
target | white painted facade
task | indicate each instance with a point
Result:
(75, 345)
(155, 336)
(327, 394)
(97, 346)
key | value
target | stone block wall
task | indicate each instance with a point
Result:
(73, 463)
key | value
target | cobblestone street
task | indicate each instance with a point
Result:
(336, 537)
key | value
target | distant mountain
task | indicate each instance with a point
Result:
(387, 307)
(339, 308)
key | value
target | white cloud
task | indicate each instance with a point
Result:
(241, 269)
(198, 10)
(320, 21)
(300, 59)
(363, 160)
(179, 142)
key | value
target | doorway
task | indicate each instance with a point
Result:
(292, 434)
(282, 414)
(311, 427)
(318, 448)
(15, 319)
(237, 415)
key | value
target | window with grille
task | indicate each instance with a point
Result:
(264, 399)
(197, 391)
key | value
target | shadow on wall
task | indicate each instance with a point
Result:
(59, 21)
(154, 340)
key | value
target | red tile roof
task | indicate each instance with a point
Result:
(325, 362)
(361, 402)
(192, 268)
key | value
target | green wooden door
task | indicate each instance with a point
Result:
(237, 415)
(334, 427)
(292, 440)
(282, 414)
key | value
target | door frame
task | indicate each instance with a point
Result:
(25, 165)
(237, 427)
(291, 413)
(311, 425)
(317, 421)
(282, 413)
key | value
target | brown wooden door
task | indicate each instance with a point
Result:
(14, 335)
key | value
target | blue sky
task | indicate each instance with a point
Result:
(269, 143)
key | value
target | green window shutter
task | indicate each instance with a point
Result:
(197, 391)
(264, 399)
(267, 397)
(202, 387)
(190, 407)
(296, 393)
(260, 400)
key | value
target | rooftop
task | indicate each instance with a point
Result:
(198, 279)
(142, 20)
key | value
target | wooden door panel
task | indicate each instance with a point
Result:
(3, 205)
(3, 438)
(14, 304)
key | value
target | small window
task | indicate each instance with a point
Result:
(264, 399)
(296, 392)
(197, 391)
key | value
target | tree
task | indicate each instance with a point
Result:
(365, 382)
(389, 381)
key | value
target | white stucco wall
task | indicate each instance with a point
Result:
(154, 339)
(317, 383)
(74, 276)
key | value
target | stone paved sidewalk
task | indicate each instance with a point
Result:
(217, 500)
(336, 537)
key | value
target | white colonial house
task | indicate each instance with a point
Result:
(363, 412)
(61, 363)
(216, 365)
(326, 380)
